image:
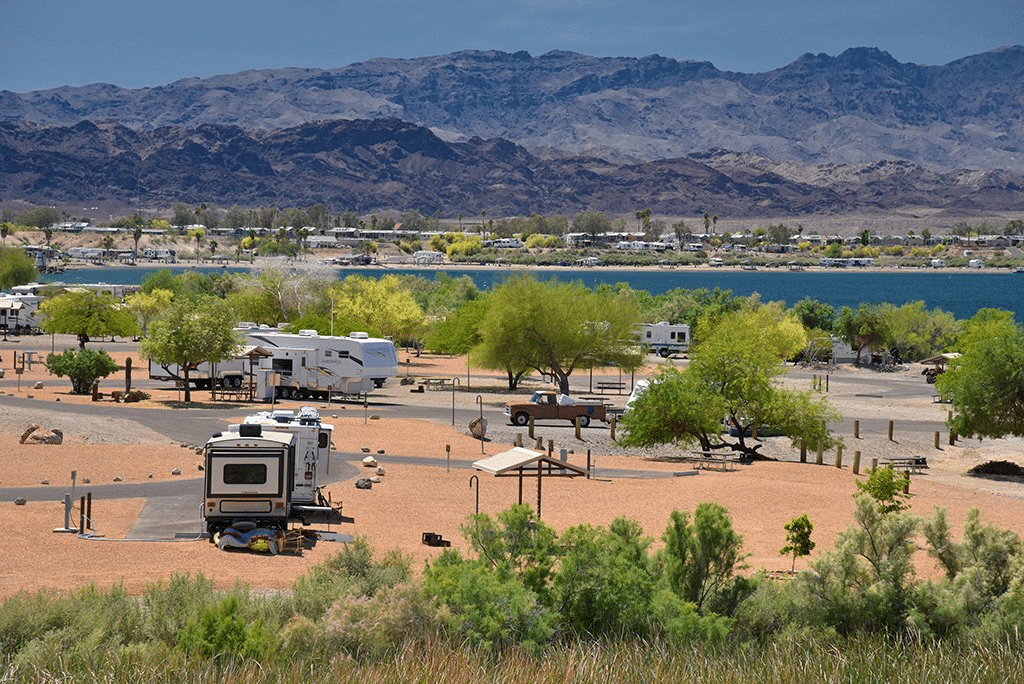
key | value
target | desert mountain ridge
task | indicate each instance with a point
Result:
(511, 133)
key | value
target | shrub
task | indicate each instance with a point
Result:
(82, 367)
(221, 632)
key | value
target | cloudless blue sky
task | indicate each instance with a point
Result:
(137, 43)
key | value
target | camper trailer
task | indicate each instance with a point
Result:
(18, 313)
(665, 338)
(266, 472)
(309, 365)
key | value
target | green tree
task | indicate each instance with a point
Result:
(5, 230)
(83, 367)
(192, 331)
(731, 375)
(798, 538)
(557, 327)
(985, 384)
(87, 314)
(147, 305)
(136, 236)
(197, 234)
(865, 328)
(384, 306)
(593, 223)
(16, 268)
(886, 487)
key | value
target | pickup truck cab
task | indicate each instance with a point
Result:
(547, 405)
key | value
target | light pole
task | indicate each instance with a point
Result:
(455, 381)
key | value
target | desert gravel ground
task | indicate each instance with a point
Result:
(428, 488)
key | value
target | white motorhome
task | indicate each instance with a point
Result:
(266, 470)
(309, 365)
(665, 338)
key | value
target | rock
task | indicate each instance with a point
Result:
(375, 480)
(374, 417)
(380, 470)
(150, 476)
(369, 462)
(30, 396)
(86, 480)
(38, 385)
(365, 450)
(118, 478)
(28, 431)
(20, 501)
(199, 450)
(44, 482)
(176, 471)
(364, 483)
(380, 452)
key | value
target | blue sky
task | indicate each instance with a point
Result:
(137, 43)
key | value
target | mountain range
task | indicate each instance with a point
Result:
(512, 134)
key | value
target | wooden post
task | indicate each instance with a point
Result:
(518, 441)
(539, 444)
(551, 447)
(952, 438)
(890, 430)
(906, 483)
(936, 439)
(874, 464)
(128, 375)
(821, 455)
(856, 429)
(530, 432)
(576, 424)
(839, 457)
(856, 463)
(614, 418)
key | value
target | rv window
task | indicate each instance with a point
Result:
(323, 440)
(327, 353)
(282, 365)
(245, 473)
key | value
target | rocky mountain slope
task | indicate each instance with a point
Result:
(860, 106)
(385, 165)
(515, 134)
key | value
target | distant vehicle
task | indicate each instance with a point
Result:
(665, 338)
(547, 405)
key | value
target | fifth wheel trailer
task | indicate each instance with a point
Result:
(665, 338)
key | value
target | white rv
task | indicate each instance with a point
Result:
(309, 365)
(302, 366)
(665, 338)
(18, 313)
(266, 471)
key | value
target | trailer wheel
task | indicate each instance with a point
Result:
(521, 418)
(664, 353)
(236, 381)
(584, 421)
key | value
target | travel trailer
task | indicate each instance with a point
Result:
(665, 338)
(266, 472)
(18, 313)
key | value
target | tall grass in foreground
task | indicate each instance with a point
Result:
(865, 659)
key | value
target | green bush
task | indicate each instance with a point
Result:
(221, 632)
(82, 367)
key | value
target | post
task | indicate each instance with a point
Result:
(538, 445)
(936, 439)
(530, 428)
(551, 447)
(128, 375)
(856, 429)
(518, 441)
(874, 464)
(576, 424)
(952, 438)
(81, 514)
(890, 430)
(826, 383)
(839, 457)
(455, 381)
(588, 464)
(472, 479)
(483, 433)
(906, 483)
(614, 417)
(448, 463)
(856, 463)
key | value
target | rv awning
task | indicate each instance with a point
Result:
(252, 351)
(12, 304)
(519, 461)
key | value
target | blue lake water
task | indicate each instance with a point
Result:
(961, 293)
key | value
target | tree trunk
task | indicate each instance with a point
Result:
(187, 384)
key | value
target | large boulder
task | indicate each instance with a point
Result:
(36, 434)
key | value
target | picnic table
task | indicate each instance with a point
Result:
(603, 385)
(913, 464)
(437, 383)
(710, 460)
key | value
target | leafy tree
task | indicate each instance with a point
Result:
(865, 328)
(886, 487)
(985, 549)
(383, 306)
(701, 558)
(87, 314)
(147, 305)
(83, 367)
(198, 234)
(515, 544)
(985, 384)
(557, 327)
(190, 332)
(815, 315)
(798, 538)
(593, 223)
(16, 268)
(731, 376)
(5, 230)
(459, 331)
(918, 333)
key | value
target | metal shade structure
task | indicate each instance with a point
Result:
(520, 462)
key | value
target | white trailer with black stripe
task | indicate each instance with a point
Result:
(266, 471)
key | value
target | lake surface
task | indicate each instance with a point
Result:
(961, 293)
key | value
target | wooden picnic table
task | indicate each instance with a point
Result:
(913, 464)
(437, 383)
(603, 385)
